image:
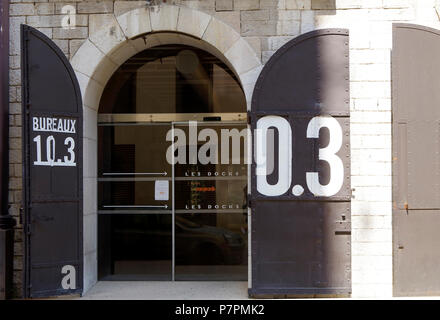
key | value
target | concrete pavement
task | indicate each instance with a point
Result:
(160, 290)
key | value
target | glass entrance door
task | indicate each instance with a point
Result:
(160, 220)
(210, 192)
(134, 202)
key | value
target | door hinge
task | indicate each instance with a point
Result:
(249, 202)
(28, 229)
(249, 117)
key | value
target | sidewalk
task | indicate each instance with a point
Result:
(159, 290)
(186, 290)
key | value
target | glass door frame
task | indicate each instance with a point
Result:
(173, 119)
(205, 123)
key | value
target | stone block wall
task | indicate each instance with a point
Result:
(267, 25)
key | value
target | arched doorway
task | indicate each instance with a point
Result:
(181, 217)
(119, 39)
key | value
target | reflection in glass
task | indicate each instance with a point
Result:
(204, 221)
(127, 171)
(135, 247)
(173, 79)
(211, 214)
(128, 148)
(211, 246)
(134, 229)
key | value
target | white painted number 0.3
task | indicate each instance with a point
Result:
(327, 154)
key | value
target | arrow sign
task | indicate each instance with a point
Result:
(135, 173)
(143, 206)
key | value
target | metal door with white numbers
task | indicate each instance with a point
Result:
(52, 169)
(300, 180)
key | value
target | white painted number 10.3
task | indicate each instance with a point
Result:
(284, 165)
(67, 161)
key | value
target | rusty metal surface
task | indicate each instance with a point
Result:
(301, 244)
(52, 175)
(416, 202)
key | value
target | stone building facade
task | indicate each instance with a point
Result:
(247, 32)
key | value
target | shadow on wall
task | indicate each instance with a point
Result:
(324, 5)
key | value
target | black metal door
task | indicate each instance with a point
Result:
(416, 160)
(300, 197)
(52, 169)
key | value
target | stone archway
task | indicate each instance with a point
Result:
(120, 38)
(136, 30)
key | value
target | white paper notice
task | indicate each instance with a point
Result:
(161, 190)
